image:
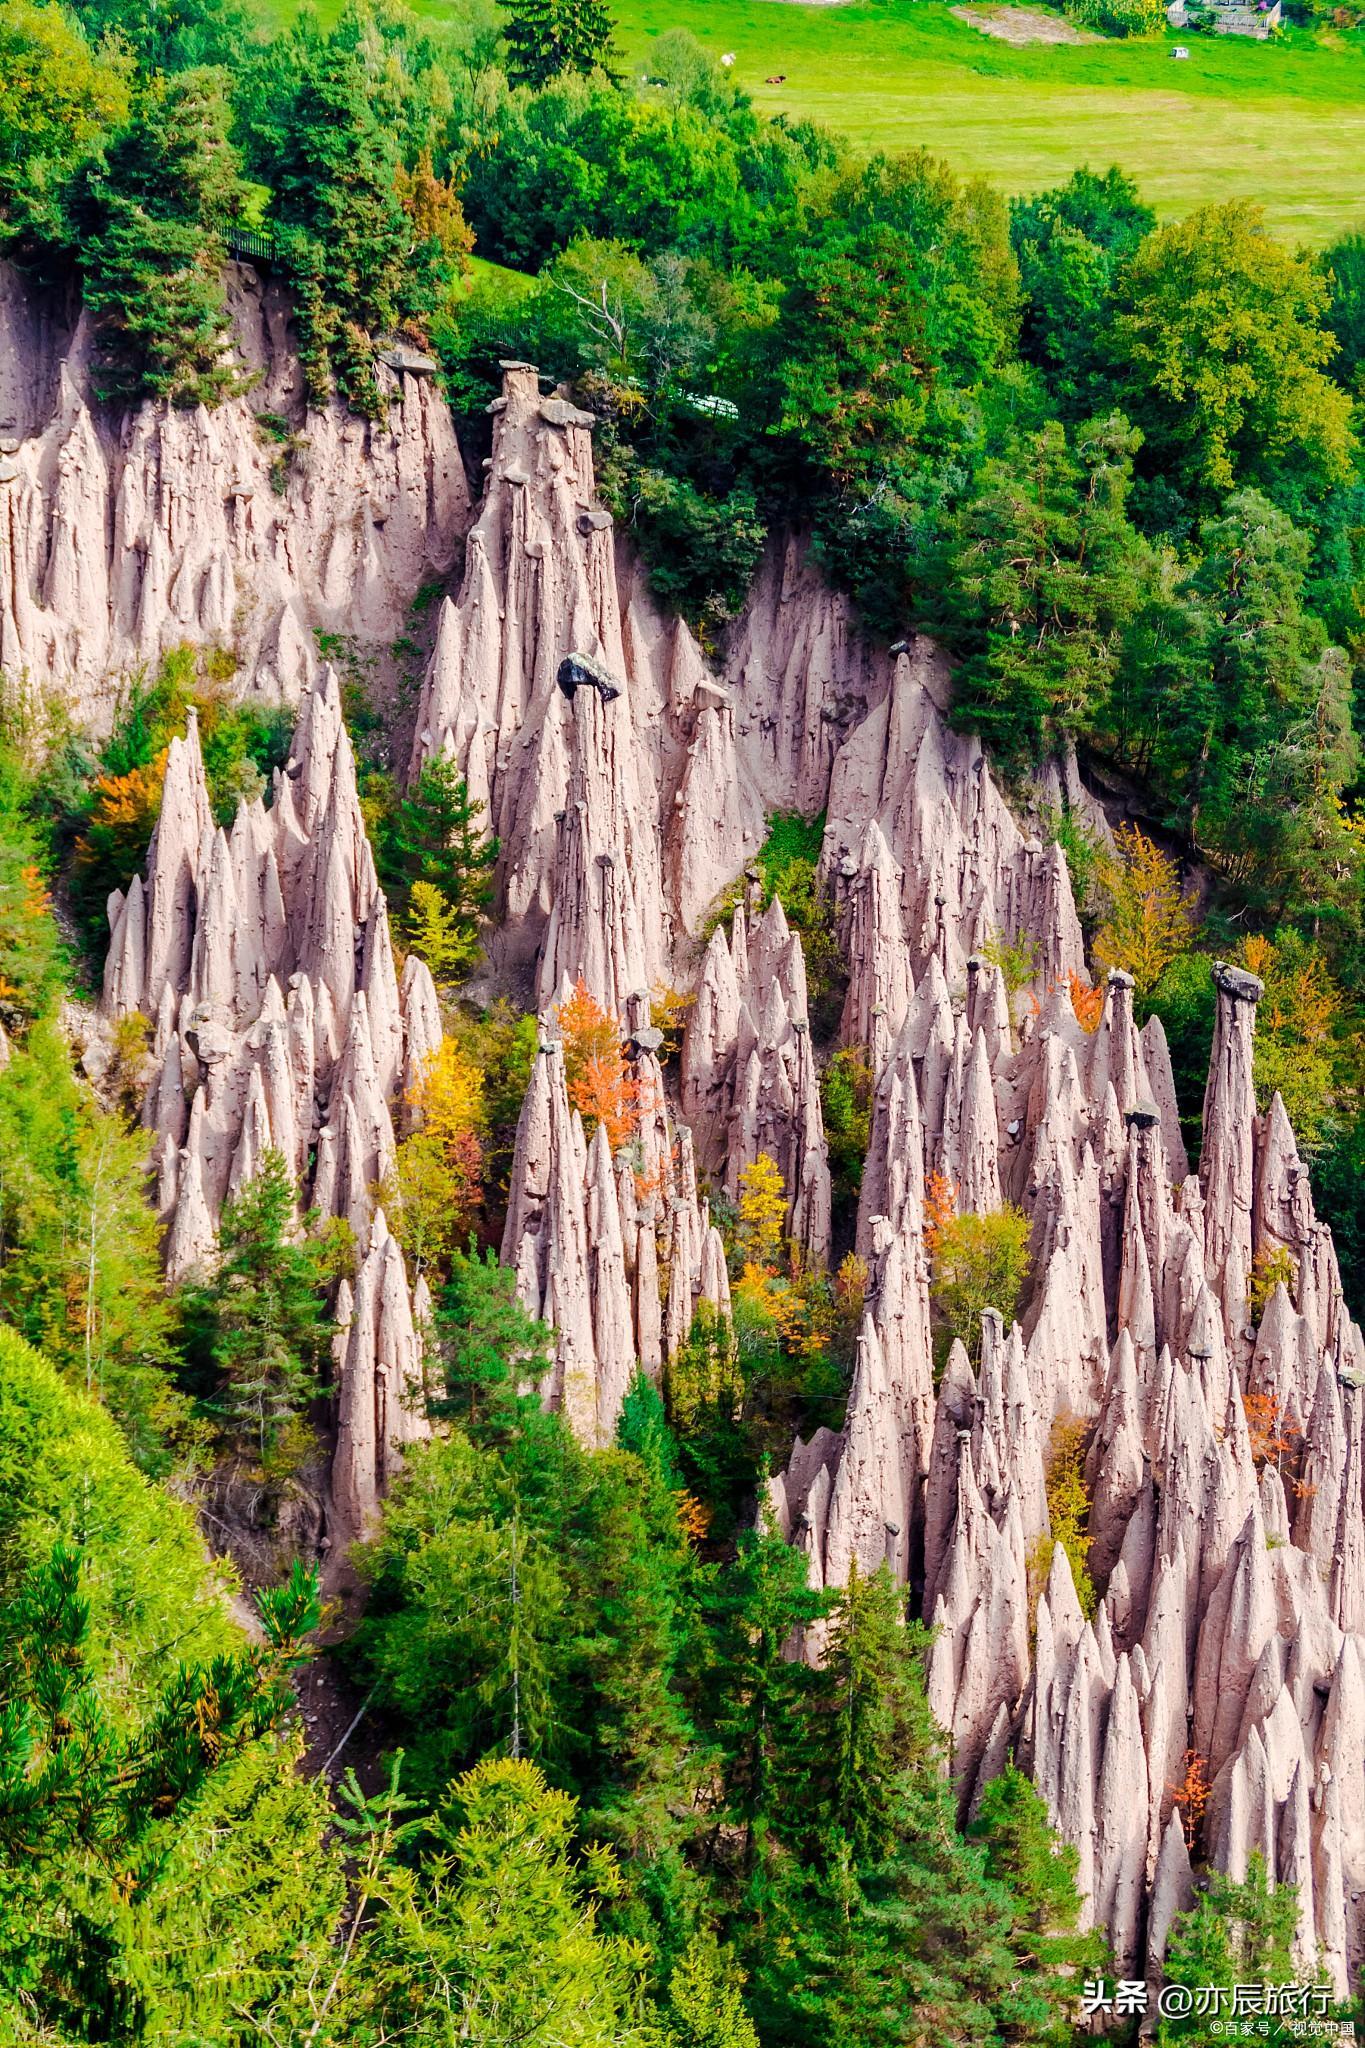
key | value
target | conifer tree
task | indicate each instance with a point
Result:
(80, 1274)
(752, 1691)
(342, 228)
(149, 214)
(546, 37)
(898, 1931)
(1024, 1852)
(259, 1322)
(1236, 1932)
(437, 857)
(496, 1937)
(705, 2004)
(489, 1354)
(873, 1723)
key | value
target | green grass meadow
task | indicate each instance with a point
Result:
(1280, 122)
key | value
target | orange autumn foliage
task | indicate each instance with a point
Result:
(607, 1093)
(434, 209)
(131, 803)
(602, 1086)
(1087, 1002)
(694, 1517)
(1270, 1436)
(940, 1207)
(1191, 1795)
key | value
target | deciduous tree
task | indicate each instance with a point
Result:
(1149, 919)
(979, 1262)
(1220, 346)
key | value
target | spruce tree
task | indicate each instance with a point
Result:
(1236, 1932)
(547, 37)
(259, 1323)
(489, 1354)
(342, 229)
(897, 1930)
(752, 1690)
(1025, 1853)
(149, 215)
(435, 840)
(872, 1723)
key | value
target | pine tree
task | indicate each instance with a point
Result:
(437, 858)
(871, 1722)
(489, 1353)
(1025, 1853)
(259, 1323)
(149, 214)
(547, 37)
(495, 1937)
(751, 1689)
(1236, 1932)
(705, 2004)
(342, 229)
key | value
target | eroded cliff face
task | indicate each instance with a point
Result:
(628, 781)
(125, 533)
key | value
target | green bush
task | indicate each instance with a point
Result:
(846, 1099)
(702, 552)
(1119, 17)
(979, 1262)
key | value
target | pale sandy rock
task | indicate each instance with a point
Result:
(1121, 1824)
(968, 869)
(127, 534)
(380, 1406)
(880, 981)
(1172, 1891)
(1227, 1162)
(628, 786)
(803, 676)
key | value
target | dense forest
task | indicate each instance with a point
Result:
(1113, 467)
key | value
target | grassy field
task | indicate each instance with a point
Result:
(1283, 123)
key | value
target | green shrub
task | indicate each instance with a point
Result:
(788, 866)
(1119, 17)
(846, 1099)
(979, 1262)
(702, 552)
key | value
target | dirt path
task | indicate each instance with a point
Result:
(341, 1731)
(1021, 25)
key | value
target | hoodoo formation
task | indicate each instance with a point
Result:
(627, 778)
